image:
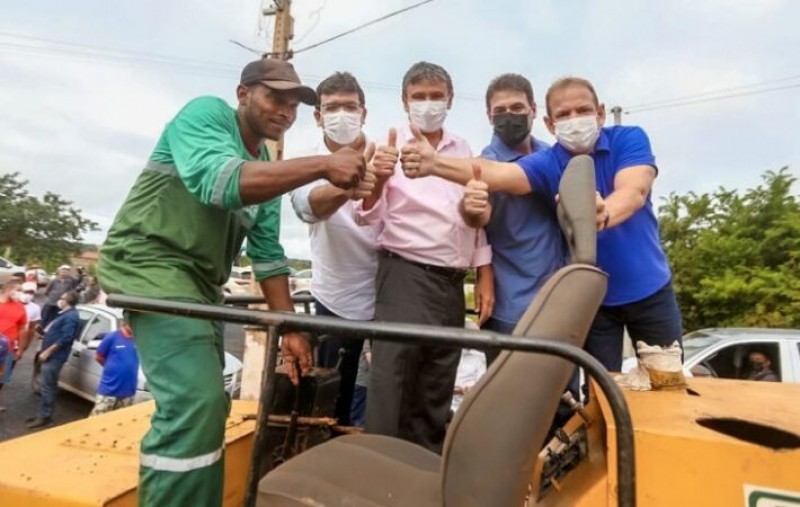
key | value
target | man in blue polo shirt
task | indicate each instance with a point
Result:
(117, 353)
(527, 245)
(640, 296)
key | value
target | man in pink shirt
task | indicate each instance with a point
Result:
(425, 251)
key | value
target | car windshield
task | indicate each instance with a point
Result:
(693, 343)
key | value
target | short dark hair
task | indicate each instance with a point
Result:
(566, 82)
(340, 82)
(510, 83)
(426, 71)
(71, 298)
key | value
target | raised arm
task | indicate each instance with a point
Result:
(419, 159)
(632, 185)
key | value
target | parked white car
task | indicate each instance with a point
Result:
(81, 373)
(239, 281)
(723, 352)
(9, 270)
(300, 283)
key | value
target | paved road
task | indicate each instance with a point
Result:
(20, 402)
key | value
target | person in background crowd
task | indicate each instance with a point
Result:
(13, 325)
(81, 279)
(62, 283)
(91, 294)
(426, 249)
(117, 353)
(358, 410)
(34, 312)
(342, 253)
(760, 368)
(56, 347)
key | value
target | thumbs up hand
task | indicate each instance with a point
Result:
(367, 184)
(386, 158)
(418, 157)
(476, 194)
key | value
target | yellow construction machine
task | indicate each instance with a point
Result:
(712, 442)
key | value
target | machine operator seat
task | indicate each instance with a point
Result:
(493, 440)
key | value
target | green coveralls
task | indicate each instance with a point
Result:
(176, 237)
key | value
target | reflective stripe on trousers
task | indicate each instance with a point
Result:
(167, 464)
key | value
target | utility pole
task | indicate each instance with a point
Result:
(617, 112)
(282, 35)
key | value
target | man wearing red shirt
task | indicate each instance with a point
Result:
(13, 322)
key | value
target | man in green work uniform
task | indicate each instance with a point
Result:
(207, 186)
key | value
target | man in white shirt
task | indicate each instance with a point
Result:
(34, 312)
(343, 254)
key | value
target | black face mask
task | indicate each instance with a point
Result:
(511, 128)
(756, 365)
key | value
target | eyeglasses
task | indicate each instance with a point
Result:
(333, 107)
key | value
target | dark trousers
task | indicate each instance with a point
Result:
(336, 350)
(411, 386)
(655, 320)
(51, 369)
(358, 410)
(498, 326)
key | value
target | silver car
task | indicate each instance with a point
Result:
(723, 352)
(81, 373)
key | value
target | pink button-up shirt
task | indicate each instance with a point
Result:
(420, 217)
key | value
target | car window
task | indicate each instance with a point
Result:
(85, 318)
(733, 361)
(99, 326)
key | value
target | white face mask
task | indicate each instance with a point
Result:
(24, 298)
(428, 115)
(341, 127)
(578, 135)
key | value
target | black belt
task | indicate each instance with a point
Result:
(453, 274)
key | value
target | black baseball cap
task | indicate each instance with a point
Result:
(278, 75)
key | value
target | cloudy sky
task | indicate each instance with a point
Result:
(87, 85)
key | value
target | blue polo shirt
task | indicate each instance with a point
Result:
(527, 244)
(631, 252)
(121, 371)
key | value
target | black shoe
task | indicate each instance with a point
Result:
(39, 422)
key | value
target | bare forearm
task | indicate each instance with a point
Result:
(262, 181)
(623, 203)
(325, 200)
(276, 291)
(500, 176)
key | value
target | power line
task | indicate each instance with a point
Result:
(359, 27)
(713, 92)
(712, 99)
(113, 56)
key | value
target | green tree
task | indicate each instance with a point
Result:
(44, 230)
(736, 257)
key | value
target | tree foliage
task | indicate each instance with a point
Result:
(44, 231)
(736, 256)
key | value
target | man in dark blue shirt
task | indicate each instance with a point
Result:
(117, 353)
(527, 245)
(56, 347)
(640, 296)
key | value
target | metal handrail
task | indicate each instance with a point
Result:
(279, 322)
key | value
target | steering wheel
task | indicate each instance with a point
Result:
(707, 365)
